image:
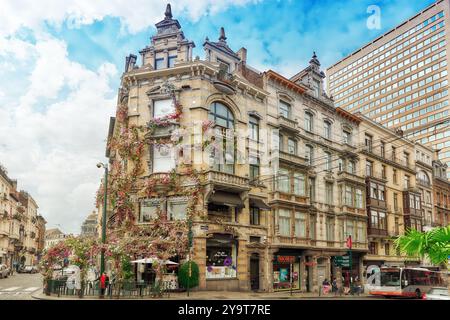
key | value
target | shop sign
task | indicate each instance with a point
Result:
(286, 259)
(342, 261)
(310, 264)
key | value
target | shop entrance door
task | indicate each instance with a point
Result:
(254, 272)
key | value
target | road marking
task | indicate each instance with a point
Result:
(11, 289)
(31, 289)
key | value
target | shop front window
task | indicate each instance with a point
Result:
(221, 257)
(286, 270)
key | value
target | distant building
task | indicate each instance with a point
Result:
(53, 236)
(89, 226)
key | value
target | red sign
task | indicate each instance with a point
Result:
(349, 242)
(285, 259)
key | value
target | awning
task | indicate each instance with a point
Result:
(228, 199)
(153, 260)
(259, 203)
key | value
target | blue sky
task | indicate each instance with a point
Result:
(61, 61)
(278, 34)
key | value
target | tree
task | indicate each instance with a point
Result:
(434, 245)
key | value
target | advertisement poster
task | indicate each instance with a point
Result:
(284, 275)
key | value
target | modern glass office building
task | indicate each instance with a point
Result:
(400, 79)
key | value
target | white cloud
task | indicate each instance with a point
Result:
(136, 15)
(52, 148)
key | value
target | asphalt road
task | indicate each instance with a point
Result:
(20, 286)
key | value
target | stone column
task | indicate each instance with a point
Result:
(242, 266)
(314, 274)
(199, 256)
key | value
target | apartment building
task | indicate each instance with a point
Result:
(441, 191)
(275, 179)
(400, 79)
(20, 225)
(317, 199)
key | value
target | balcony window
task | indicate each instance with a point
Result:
(308, 122)
(285, 109)
(254, 167)
(395, 201)
(162, 108)
(382, 221)
(359, 198)
(394, 176)
(327, 130)
(330, 229)
(406, 182)
(224, 157)
(382, 149)
(300, 225)
(351, 167)
(254, 128)
(254, 216)
(328, 161)
(309, 154)
(163, 158)
(394, 152)
(368, 143)
(348, 196)
(292, 146)
(361, 233)
(284, 222)
(347, 137)
(369, 168)
(299, 184)
(283, 181)
(381, 193)
(383, 171)
(340, 165)
(312, 227)
(350, 229)
(329, 193)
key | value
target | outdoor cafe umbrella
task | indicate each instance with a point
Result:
(153, 260)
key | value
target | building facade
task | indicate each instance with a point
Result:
(400, 79)
(441, 190)
(20, 225)
(53, 236)
(89, 226)
(287, 181)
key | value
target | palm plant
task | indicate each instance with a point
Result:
(433, 244)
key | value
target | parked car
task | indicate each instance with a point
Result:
(437, 293)
(4, 271)
(30, 269)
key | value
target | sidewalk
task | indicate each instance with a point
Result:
(216, 295)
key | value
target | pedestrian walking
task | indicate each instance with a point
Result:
(334, 287)
(102, 284)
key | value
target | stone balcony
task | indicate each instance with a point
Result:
(227, 180)
(277, 196)
(288, 124)
(346, 209)
(346, 176)
(293, 159)
(294, 241)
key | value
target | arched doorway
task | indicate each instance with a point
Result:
(254, 272)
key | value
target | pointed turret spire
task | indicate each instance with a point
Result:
(168, 12)
(222, 35)
(314, 59)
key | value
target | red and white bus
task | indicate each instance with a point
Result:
(406, 282)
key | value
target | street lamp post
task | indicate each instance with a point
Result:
(105, 201)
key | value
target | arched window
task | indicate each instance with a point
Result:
(221, 115)
(423, 178)
(225, 155)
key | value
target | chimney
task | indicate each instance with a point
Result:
(242, 53)
(130, 62)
